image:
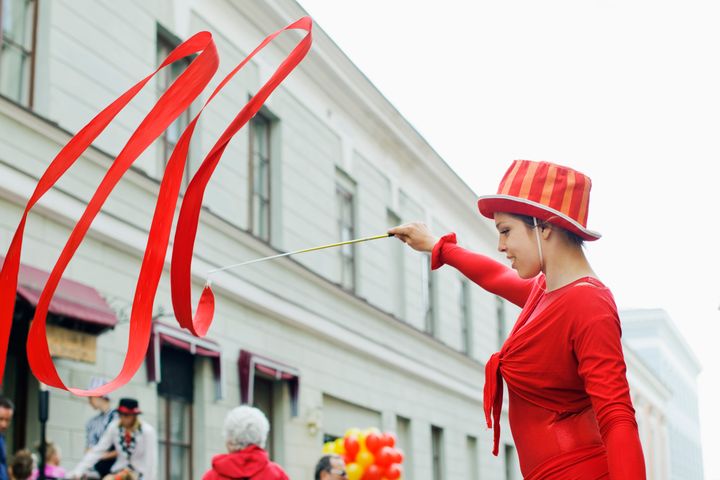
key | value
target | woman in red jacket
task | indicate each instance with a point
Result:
(245, 430)
(570, 410)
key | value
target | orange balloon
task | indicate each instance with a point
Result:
(364, 458)
(354, 471)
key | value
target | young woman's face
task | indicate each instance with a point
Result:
(517, 241)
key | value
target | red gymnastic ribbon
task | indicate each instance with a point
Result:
(188, 86)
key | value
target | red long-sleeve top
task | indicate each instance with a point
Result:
(569, 403)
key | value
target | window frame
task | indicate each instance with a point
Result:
(429, 296)
(31, 54)
(267, 121)
(437, 452)
(397, 251)
(345, 196)
(166, 401)
(466, 321)
(500, 319)
(165, 438)
(165, 43)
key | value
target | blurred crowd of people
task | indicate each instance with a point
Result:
(121, 446)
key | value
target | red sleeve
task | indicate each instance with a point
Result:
(491, 275)
(597, 346)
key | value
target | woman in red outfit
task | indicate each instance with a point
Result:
(570, 410)
(246, 430)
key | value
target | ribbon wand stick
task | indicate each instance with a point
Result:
(312, 249)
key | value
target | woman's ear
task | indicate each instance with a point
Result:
(546, 229)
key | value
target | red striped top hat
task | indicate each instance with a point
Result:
(546, 191)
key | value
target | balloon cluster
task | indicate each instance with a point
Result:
(369, 454)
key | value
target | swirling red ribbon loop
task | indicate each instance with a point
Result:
(179, 96)
(186, 231)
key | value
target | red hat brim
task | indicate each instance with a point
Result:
(129, 411)
(490, 204)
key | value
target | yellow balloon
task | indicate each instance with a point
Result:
(340, 446)
(352, 431)
(354, 471)
(365, 458)
(328, 448)
(361, 441)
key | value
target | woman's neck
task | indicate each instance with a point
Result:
(565, 265)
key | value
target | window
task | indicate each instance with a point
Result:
(175, 394)
(511, 464)
(263, 399)
(171, 355)
(17, 49)
(396, 272)
(472, 457)
(404, 442)
(345, 199)
(428, 294)
(437, 453)
(466, 325)
(500, 318)
(264, 384)
(259, 174)
(166, 42)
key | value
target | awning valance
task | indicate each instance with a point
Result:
(163, 334)
(72, 299)
(249, 364)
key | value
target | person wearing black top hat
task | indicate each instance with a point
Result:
(133, 439)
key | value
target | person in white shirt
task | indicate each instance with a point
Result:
(133, 439)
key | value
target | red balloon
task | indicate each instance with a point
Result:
(385, 457)
(390, 439)
(352, 447)
(397, 455)
(372, 442)
(373, 472)
(393, 472)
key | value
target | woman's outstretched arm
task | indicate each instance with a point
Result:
(489, 274)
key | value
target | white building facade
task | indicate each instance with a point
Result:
(354, 337)
(652, 334)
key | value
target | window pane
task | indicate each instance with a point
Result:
(466, 319)
(17, 22)
(261, 175)
(437, 453)
(162, 415)
(179, 422)
(14, 73)
(346, 227)
(263, 400)
(179, 463)
(165, 78)
(176, 367)
(161, 461)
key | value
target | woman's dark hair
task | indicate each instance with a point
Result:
(574, 238)
(324, 465)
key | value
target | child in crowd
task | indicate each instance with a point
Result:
(52, 463)
(21, 466)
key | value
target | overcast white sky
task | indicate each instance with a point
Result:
(627, 92)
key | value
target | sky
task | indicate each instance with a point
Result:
(627, 92)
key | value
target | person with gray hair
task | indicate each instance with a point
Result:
(245, 432)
